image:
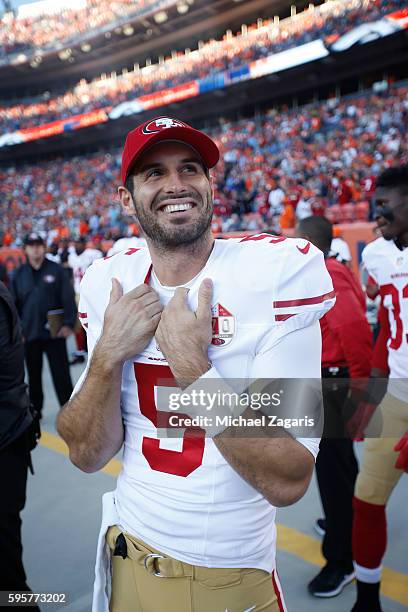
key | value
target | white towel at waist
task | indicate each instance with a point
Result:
(103, 574)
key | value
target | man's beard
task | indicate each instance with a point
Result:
(173, 236)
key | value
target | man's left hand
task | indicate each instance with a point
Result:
(65, 332)
(402, 448)
(184, 336)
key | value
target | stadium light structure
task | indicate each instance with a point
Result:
(160, 17)
(128, 30)
(65, 54)
(182, 8)
(86, 47)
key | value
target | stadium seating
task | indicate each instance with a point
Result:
(213, 56)
(19, 34)
(281, 147)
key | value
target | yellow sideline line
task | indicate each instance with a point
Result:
(393, 585)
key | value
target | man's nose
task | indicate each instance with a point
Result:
(174, 183)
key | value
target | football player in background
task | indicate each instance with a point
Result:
(190, 310)
(127, 242)
(79, 259)
(346, 364)
(385, 458)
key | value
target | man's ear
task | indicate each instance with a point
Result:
(126, 201)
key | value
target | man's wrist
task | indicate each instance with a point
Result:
(187, 373)
(106, 358)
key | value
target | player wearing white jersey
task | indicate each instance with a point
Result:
(79, 259)
(385, 458)
(190, 310)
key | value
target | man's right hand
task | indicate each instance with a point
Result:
(130, 321)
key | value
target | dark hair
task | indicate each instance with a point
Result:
(319, 230)
(129, 183)
(394, 178)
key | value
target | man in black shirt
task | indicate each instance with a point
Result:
(46, 304)
(16, 441)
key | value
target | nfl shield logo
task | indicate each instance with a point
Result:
(223, 325)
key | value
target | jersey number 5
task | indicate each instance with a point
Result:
(178, 463)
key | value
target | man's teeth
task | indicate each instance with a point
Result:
(170, 208)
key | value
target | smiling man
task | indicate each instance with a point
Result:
(386, 458)
(190, 525)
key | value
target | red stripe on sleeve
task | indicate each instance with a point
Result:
(283, 317)
(82, 315)
(304, 301)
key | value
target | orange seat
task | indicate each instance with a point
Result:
(362, 211)
(347, 213)
(333, 213)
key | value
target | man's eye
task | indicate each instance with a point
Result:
(154, 172)
(189, 168)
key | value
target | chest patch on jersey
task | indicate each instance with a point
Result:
(223, 325)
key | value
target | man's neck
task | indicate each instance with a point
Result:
(177, 267)
(402, 241)
(36, 264)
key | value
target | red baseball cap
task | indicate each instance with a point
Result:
(166, 128)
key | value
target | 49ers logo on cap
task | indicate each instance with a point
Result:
(223, 325)
(163, 123)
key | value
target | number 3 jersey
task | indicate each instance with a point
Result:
(388, 266)
(180, 495)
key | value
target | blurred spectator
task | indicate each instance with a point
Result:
(275, 199)
(53, 254)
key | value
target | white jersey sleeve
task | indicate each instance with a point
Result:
(292, 348)
(304, 289)
(294, 355)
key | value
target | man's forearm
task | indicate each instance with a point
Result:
(274, 463)
(91, 422)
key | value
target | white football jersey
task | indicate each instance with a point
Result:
(180, 495)
(389, 268)
(80, 263)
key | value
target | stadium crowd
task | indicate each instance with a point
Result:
(45, 31)
(211, 58)
(287, 163)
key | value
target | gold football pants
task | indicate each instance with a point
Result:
(149, 581)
